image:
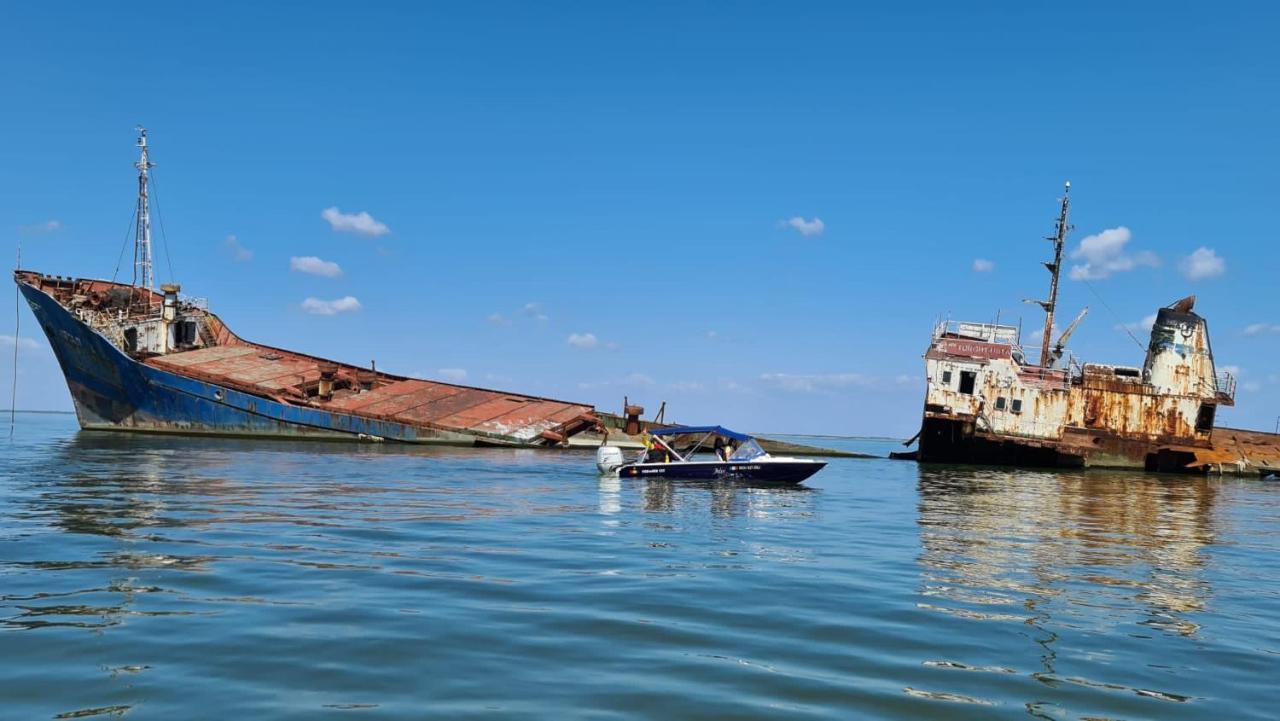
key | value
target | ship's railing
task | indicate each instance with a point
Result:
(988, 332)
(198, 303)
(1056, 378)
(1225, 385)
(1029, 356)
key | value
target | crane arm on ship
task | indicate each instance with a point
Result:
(1061, 346)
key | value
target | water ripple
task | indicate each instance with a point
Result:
(177, 578)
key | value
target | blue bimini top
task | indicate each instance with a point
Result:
(681, 430)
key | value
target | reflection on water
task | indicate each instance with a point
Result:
(1029, 538)
(724, 498)
(155, 576)
(1066, 553)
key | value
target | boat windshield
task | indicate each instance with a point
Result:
(747, 451)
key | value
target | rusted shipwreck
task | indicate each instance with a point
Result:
(140, 360)
(988, 402)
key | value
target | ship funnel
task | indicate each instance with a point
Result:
(1179, 357)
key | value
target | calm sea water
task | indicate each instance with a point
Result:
(167, 578)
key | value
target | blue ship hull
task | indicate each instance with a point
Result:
(112, 391)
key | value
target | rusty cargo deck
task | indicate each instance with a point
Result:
(288, 377)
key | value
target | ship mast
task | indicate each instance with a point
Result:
(142, 270)
(1059, 239)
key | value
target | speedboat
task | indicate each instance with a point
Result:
(671, 453)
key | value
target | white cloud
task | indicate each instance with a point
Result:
(239, 253)
(982, 265)
(312, 265)
(729, 385)
(1262, 329)
(1202, 264)
(1037, 335)
(534, 311)
(809, 383)
(804, 227)
(1104, 255)
(1234, 370)
(315, 306)
(24, 344)
(48, 226)
(1141, 325)
(583, 340)
(715, 336)
(498, 319)
(631, 380)
(360, 223)
(453, 375)
(1251, 386)
(687, 387)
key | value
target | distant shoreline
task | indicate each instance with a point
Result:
(827, 435)
(763, 435)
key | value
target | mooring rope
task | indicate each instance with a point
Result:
(164, 239)
(133, 216)
(1120, 321)
(17, 328)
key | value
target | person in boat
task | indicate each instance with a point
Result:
(657, 453)
(721, 452)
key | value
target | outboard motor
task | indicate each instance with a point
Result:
(608, 460)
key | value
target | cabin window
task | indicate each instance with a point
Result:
(1204, 419)
(968, 379)
(1017, 405)
(131, 339)
(946, 378)
(1000, 403)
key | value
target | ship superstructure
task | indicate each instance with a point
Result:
(989, 400)
(137, 358)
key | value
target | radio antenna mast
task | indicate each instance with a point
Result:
(1059, 239)
(143, 276)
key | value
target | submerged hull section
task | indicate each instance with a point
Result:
(113, 390)
(952, 441)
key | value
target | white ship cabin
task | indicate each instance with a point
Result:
(137, 321)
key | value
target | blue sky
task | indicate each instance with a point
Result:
(587, 200)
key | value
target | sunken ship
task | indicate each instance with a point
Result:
(140, 359)
(989, 400)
